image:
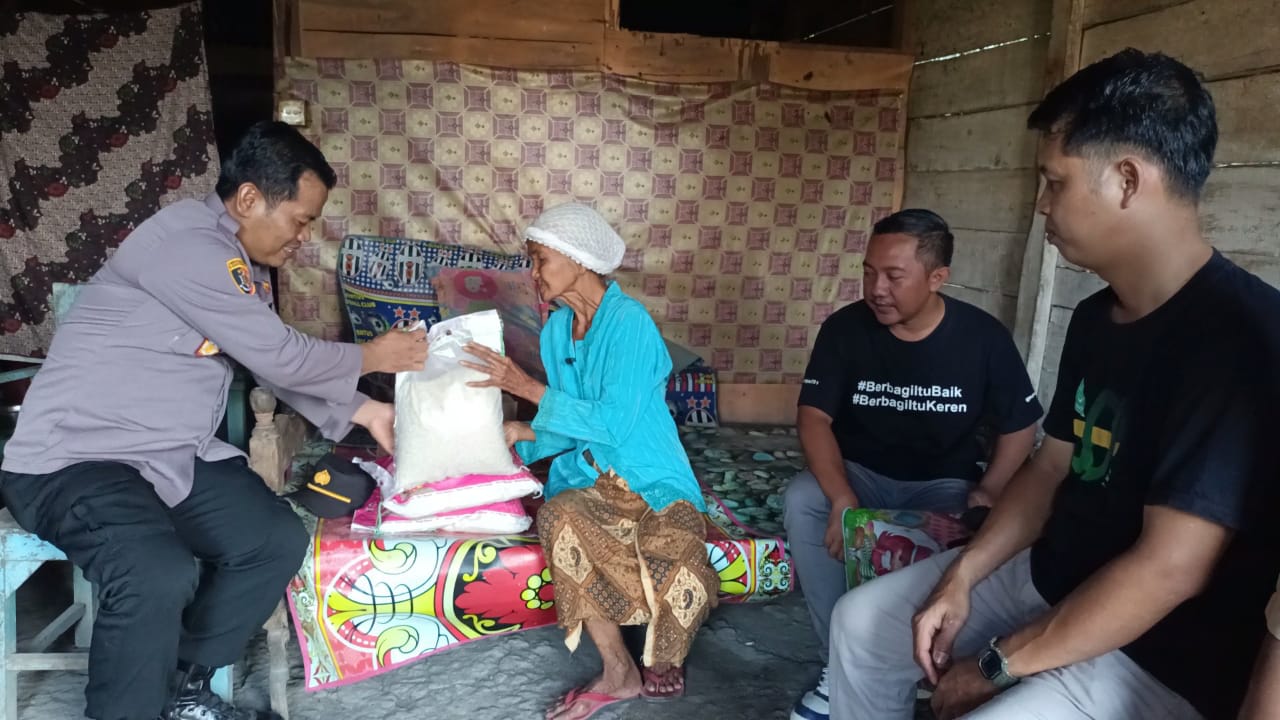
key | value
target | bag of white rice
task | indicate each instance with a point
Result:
(444, 427)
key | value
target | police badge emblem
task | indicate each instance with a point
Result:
(240, 275)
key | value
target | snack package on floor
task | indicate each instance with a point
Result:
(444, 427)
(878, 542)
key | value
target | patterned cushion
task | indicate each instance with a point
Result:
(386, 282)
(691, 396)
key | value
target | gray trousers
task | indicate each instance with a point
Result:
(805, 514)
(873, 673)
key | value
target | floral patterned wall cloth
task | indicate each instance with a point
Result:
(103, 120)
(745, 209)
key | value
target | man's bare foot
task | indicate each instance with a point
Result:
(584, 701)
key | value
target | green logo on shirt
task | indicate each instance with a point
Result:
(1097, 433)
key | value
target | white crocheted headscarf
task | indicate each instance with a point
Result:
(581, 234)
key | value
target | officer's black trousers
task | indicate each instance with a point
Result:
(156, 604)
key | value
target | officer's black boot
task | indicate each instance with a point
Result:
(193, 699)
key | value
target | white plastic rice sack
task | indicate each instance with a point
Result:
(450, 495)
(506, 518)
(444, 428)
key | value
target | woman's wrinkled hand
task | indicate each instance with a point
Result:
(503, 373)
(514, 432)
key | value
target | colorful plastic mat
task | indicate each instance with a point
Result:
(745, 467)
(364, 605)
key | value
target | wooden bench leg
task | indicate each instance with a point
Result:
(86, 596)
(55, 629)
(277, 646)
(275, 440)
(13, 573)
(17, 565)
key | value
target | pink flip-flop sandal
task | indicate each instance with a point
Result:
(594, 700)
(655, 678)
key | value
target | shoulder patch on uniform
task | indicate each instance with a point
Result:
(240, 275)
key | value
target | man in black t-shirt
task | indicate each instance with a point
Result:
(896, 390)
(1123, 572)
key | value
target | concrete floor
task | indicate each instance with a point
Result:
(749, 661)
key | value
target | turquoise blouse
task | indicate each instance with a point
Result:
(607, 393)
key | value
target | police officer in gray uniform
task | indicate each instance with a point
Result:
(114, 459)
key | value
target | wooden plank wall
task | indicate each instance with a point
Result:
(569, 35)
(980, 70)
(856, 23)
(1236, 46)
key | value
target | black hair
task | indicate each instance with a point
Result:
(272, 156)
(1147, 102)
(936, 243)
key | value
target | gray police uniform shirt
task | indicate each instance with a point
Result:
(137, 372)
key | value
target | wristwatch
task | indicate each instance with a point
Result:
(995, 667)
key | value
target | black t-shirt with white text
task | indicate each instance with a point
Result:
(912, 410)
(1176, 409)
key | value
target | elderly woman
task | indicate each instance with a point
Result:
(622, 528)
